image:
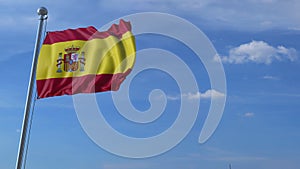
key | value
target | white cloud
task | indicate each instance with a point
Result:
(211, 13)
(248, 114)
(206, 95)
(209, 94)
(217, 58)
(259, 52)
(267, 77)
(294, 28)
(216, 14)
(172, 97)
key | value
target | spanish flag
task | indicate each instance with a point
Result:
(85, 60)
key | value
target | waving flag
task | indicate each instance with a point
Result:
(85, 60)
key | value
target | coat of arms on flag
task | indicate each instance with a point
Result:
(71, 61)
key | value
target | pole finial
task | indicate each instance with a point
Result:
(42, 11)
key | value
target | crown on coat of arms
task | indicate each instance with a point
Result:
(72, 49)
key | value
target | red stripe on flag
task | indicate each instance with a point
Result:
(84, 84)
(87, 33)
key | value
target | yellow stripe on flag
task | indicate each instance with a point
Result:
(100, 56)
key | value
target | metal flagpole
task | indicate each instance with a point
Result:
(42, 12)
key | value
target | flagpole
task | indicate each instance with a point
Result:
(42, 12)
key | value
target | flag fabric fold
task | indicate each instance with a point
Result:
(85, 60)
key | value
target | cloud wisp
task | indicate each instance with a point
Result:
(248, 115)
(216, 14)
(209, 94)
(268, 77)
(259, 52)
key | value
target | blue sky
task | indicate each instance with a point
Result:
(257, 41)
